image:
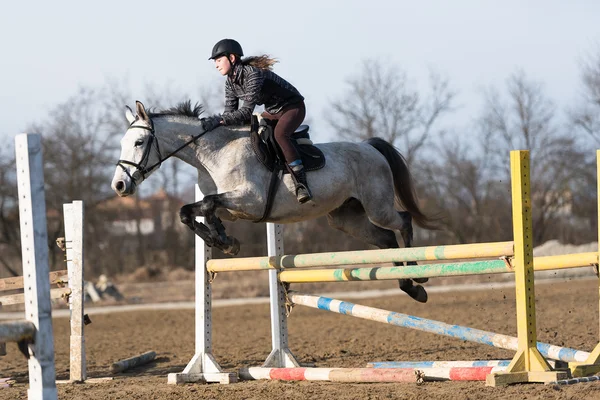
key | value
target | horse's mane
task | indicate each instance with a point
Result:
(184, 109)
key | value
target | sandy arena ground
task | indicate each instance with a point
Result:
(567, 316)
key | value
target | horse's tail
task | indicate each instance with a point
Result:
(404, 190)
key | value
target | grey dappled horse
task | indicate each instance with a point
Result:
(357, 189)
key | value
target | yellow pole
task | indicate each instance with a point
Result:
(433, 270)
(523, 237)
(451, 252)
(565, 261)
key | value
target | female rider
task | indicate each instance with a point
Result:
(252, 81)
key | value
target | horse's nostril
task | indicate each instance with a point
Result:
(120, 186)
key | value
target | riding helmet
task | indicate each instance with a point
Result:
(225, 47)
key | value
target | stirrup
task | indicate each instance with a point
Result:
(303, 195)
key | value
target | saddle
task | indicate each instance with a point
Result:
(269, 154)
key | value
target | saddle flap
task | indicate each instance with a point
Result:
(269, 154)
(301, 132)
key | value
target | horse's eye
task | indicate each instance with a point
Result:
(139, 142)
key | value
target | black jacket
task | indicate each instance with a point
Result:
(255, 86)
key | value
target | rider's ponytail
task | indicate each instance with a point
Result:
(263, 62)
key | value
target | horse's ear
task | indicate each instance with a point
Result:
(129, 115)
(141, 111)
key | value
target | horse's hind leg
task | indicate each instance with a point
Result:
(407, 237)
(379, 207)
(352, 219)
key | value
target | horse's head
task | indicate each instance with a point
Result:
(140, 155)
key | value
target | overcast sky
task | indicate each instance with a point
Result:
(49, 49)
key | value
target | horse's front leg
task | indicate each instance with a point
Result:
(187, 215)
(207, 208)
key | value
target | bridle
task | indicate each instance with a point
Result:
(142, 169)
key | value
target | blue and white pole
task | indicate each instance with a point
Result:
(427, 325)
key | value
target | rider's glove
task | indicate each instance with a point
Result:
(210, 123)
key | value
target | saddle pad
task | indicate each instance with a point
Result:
(312, 157)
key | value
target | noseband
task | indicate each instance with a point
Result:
(141, 168)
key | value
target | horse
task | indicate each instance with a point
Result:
(359, 189)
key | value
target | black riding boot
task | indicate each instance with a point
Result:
(303, 193)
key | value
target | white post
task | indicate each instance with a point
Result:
(203, 367)
(281, 356)
(34, 244)
(73, 216)
(2, 344)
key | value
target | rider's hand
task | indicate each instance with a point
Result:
(212, 122)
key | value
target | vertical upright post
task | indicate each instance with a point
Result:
(592, 364)
(528, 365)
(281, 356)
(34, 247)
(2, 344)
(598, 223)
(202, 367)
(73, 217)
(524, 278)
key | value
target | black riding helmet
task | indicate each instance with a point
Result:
(225, 47)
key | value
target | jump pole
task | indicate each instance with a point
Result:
(349, 375)
(432, 270)
(202, 367)
(430, 253)
(370, 375)
(442, 364)
(431, 326)
(438, 364)
(575, 380)
(132, 362)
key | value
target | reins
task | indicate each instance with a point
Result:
(142, 170)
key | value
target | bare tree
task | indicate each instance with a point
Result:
(381, 102)
(586, 116)
(10, 244)
(525, 118)
(80, 150)
(472, 207)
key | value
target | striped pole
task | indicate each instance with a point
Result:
(432, 270)
(442, 364)
(370, 375)
(575, 380)
(438, 364)
(452, 252)
(426, 325)
(349, 375)
(458, 373)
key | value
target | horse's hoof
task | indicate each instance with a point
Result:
(233, 248)
(417, 292)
